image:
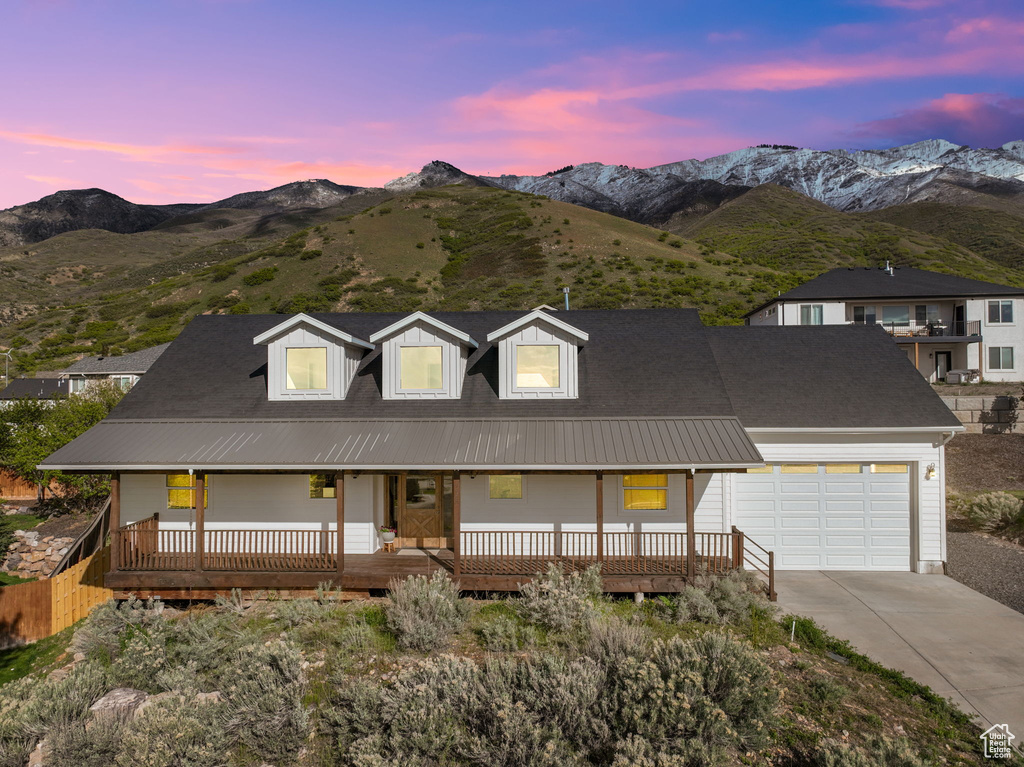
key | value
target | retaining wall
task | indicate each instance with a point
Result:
(988, 415)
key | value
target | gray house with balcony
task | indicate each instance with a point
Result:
(942, 322)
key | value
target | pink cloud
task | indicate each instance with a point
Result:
(133, 151)
(977, 119)
(54, 181)
(910, 5)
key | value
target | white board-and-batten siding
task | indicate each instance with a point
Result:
(453, 362)
(259, 502)
(539, 334)
(342, 361)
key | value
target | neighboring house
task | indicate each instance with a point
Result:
(259, 446)
(124, 369)
(943, 323)
(33, 388)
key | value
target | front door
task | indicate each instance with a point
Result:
(419, 505)
(943, 362)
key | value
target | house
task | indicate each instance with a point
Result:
(33, 388)
(943, 323)
(263, 451)
(124, 369)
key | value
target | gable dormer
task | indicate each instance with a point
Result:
(537, 358)
(310, 360)
(422, 358)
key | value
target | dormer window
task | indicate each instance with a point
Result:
(537, 366)
(421, 367)
(422, 358)
(537, 358)
(306, 368)
(309, 359)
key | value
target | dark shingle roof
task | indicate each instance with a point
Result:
(826, 376)
(137, 362)
(206, 397)
(35, 388)
(905, 282)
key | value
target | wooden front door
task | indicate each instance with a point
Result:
(420, 510)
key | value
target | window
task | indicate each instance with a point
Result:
(322, 486)
(864, 315)
(770, 312)
(1000, 358)
(766, 469)
(799, 468)
(842, 468)
(925, 313)
(505, 487)
(76, 385)
(537, 367)
(181, 491)
(124, 382)
(306, 368)
(644, 492)
(889, 468)
(1000, 311)
(811, 314)
(896, 315)
(421, 367)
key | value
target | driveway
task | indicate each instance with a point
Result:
(941, 633)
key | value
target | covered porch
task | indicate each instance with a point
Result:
(437, 529)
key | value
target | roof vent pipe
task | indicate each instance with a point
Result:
(565, 291)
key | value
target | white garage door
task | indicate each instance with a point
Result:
(836, 516)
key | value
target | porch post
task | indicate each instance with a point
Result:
(917, 356)
(457, 524)
(115, 520)
(600, 518)
(339, 494)
(691, 533)
(200, 520)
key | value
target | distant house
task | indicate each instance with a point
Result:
(943, 323)
(34, 388)
(124, 369)
(264, 451)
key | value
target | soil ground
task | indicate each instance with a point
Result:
(977, 389)
(978, 463)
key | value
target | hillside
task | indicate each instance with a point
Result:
(450, 248)
(780, 229)
(994, 234)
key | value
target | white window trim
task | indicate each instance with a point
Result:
(446, 349)
(999, 323)
(988, 359)
(563, 362)
(522, 479)
(668, 497)
(330, 373)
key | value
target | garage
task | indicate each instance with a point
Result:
(834, 516)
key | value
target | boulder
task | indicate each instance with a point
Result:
(122, 700)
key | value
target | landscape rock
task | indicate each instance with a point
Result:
(38, 756)
(122, 700)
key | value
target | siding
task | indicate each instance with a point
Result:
(342, 361)
(539, 333)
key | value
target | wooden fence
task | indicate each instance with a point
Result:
(15, 488)
(31, 611)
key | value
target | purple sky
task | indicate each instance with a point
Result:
(195, 100)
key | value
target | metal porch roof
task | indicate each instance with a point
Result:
(498, 444)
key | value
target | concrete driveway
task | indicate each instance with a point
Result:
(963, 645)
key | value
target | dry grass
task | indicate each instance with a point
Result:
(985, 462)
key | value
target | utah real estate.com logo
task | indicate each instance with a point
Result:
(997, 742)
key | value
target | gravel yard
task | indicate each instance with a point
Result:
(988, 565)
(985, 462)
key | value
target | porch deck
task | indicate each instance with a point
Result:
(155, 560)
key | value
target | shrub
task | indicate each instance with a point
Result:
(423, 612)
(86, 744)
(101, 634)
(265, 714)
(142, 658)
(39, 705)
(309, 255)
(260, 276)
(879, 752)
(505, 634)
(994, 512)
(221, 272)
(557, 601)
(826, 692)
(175, 733)
(733, 598)
(610, 641)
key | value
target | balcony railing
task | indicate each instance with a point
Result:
(913, 329)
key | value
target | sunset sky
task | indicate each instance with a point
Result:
(195, 100)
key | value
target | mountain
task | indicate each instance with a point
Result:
(433, 175)
(933, 170)
(314, 193)
(80, 209)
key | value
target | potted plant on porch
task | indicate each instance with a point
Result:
(387, 533)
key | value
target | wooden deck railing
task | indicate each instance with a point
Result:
(753, 556)
(525, 552)
(270, 550)
(143, 545)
